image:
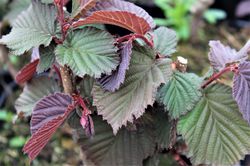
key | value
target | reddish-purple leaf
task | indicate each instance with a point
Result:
(221, 55)
(45, 123)
(49, 108)
(241, 89)
(243, 8)
(89, 127)
(114, 81)
(120, 5)
(27, 72)
(123, 19)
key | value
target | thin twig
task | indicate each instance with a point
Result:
(135, 36)
(232, 67)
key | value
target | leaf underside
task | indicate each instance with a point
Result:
(27, 72)
(49, 108)
(45, 123)
(123, 19)
(33, 91)
(88, 51)
(241, 89)
(126, 148)
(113, 82)
(120, 5)
(180, 94)
(215, 131)
(220, 55)
(144, 76)
(33, 27)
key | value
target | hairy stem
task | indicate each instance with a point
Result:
(66, 74)
(67, 80)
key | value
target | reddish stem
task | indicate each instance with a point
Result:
(233, 67)
(61, 19)
(133, 37)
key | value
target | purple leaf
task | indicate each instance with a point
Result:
(241, 89)
(221, 55)
(243, 8)
(49, 108)
(27, 72)
(89, 127)
(120, 5)
(114, 81)
(49, 113)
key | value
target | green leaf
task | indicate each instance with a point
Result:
(88, 51)
(86, 86)
(6, 116)
(17, 142)
(142, 79)
(162, 129)
(47, 58)
(33, 92)
(3, 7)
(165, 41)
(215, 131)
(33, 27)
(127, 148)
(213, 15)
(161, 160)
(180, 94)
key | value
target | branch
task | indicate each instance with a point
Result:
(65, 72)
(232, 67)
(67, 80)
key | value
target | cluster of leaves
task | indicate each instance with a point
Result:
(124, 79)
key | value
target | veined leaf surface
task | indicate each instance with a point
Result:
(144, 76)
(32, 28)
(88, 51)
(215, 131)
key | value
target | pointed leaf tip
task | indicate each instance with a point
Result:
(27, 72)
(116, 79)
(48, 114)
(180, 94)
